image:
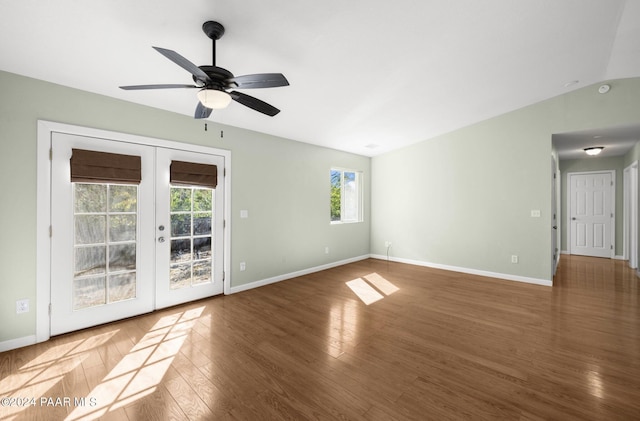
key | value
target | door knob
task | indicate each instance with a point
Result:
(161, 240)
(573, 219)
(555, 227)
(161, 228)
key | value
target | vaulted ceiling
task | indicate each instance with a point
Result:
(366, 76)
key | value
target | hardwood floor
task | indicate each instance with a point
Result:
(435, 345)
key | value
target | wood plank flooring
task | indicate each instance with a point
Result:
(436, 345)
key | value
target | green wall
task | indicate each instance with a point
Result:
(594, 164)
(464, 199)
(632, 156)
(283, 184)
(461, 200)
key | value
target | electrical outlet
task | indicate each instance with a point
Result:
(535, 213)
(514, 258)
(387, 244)
(326, 250)
(243, 266)
(22, 306)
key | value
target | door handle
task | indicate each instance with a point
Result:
(555, 227)
(573, 219)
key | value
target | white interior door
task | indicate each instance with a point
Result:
(591, 213)
(110, 258)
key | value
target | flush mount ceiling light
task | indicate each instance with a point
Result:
(214, 99)
(594, 150)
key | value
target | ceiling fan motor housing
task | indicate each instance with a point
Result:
(217, 76)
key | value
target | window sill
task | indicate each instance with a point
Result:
(344, 222)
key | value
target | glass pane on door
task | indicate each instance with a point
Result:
(191, 213)
(105, 232)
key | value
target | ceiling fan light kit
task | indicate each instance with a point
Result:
(215, 83)
(214, 99)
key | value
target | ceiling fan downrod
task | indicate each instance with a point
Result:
(213, 30)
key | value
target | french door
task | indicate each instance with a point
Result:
(123, 248)
(189, 225)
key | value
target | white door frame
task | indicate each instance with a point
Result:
(43, 203)
(613, 206)
(555, 221)
(630, 211)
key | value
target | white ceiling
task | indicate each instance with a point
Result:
(362, 73)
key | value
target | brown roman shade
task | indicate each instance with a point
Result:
(192, 174)
(104, 167)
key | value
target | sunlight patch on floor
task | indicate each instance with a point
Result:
(36, 377)
(370, 288)
(381, 283)
(364, 291)
(142, 369)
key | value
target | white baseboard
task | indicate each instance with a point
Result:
(616, 257)
(291, 275)
(498, 275)
(17, 343)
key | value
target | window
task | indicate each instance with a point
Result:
(191, 215)
(346, 196)
(105, 238)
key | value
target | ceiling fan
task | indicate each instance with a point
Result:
(214, 83)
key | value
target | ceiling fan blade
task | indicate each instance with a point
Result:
(184, 63)
(165, 86)
(202, 111)
(259, 80)
(254, 103)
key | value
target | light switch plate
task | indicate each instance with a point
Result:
(244, 213)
